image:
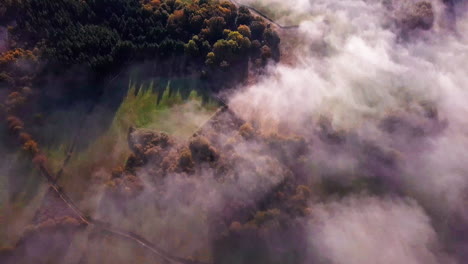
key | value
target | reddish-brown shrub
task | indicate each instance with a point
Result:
(24, 137)
(15, 124)
(31, 147)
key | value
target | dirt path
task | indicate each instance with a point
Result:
(106, 227)
(259, 13)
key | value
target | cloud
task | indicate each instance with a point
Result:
(366, 72)
(359, 64)
(363, 230)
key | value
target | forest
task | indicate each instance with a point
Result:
(207, 39)
(233, 132)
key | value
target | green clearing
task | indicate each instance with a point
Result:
(172, 106)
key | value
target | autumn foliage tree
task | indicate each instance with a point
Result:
(104, 35)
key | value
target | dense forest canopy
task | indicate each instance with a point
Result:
(59, 53)
(105, 35)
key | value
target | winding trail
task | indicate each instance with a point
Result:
(107, 227)
(259, 13)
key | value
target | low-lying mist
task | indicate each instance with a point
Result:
(352, 149)
(391, 73)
